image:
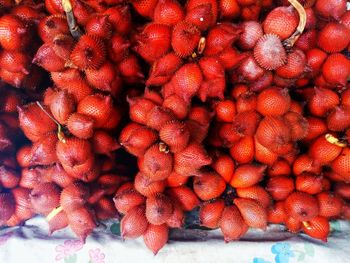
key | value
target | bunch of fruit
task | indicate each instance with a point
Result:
(244, 113)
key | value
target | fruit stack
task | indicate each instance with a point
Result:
(237, 109)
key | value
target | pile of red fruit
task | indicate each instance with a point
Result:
(244, 113)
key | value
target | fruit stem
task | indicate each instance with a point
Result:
(306, 225)
(163, 147)
(289, 42)
(53, 213)
(201, 45)
(73, 26)
(60, 133)
(333, 140)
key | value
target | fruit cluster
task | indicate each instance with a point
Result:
(244, 114)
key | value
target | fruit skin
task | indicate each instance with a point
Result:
(329, 204)
(301, 206)
(273, 102)
(155, 237)
(317, 227)
(159, 209)
(253, 213)
(334, 37)
(281, 21)
(210, 213)
(331, 9)
(232, 224)
(269, 52)
(185, 32)
(257, 193)
(208, 185)
(280, 187)
(336, 69)
(134, 223)
(247, 175)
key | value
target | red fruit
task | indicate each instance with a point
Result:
(15, 61)
(276, 214)
(104, 143)
(334, 37)
(163, 69)
(74, 196)
(98, 107)
(43, 150)
(153, 42)
(315, 58)
(295, 66)
(336, 69)
(220, 37)
(145, 7)
(134, 223)
(99, 26)
(274, 134)
(298, 125)
(118, 48)
(343, 190)
(177, 218)
(329, 204)
(246, 102)
(307, 40)
(304, 163)
(247, 175)
(186, 81)
(323, 151)
(229, 9)
(280, 187)
(273, 101)
(146, 187)
(75, 156)
(208, 185)
(155, 237)
(301, 206)
(322, 101)
(175, 180)
(230, 57)
(293, 225)
(89, 53)
(82, 222)
(47, 58)
(341, 164)
(34, 122)
(309, 183)
(51, 26)
(80, 125)
(232, 224)
(120, 18)
(243, 150)
(331, 9)
(159, 208)
(257, 193)
(105, 209)
(253, 213)
(317, 227)
(176, 135)
(225, 111)
(269, 52)
(224, 166)
(185, 38)
(139, 109)
(250, 69)
(102, 78)
(168, 12)
(137, 139)
(210, 213)
(252, 31)
(345, 97)
(184, 196)
(193, 4)
(263, 154)
(339, 118)
(157, 163)
(200, 16)
(279, 168)
(191, 159)
(14, 33)
(45, 197)
(62, 106)
(281, 21)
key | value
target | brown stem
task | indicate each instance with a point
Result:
(73, 26)
(60, 133)
(201, 45)
(289, 42)
(163, 148)
(306, 225)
